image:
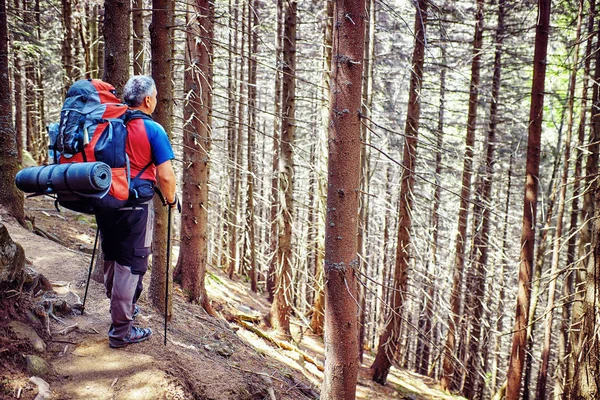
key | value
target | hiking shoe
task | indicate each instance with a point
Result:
(136, 311)
(135, 335)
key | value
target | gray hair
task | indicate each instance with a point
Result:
(136, 89)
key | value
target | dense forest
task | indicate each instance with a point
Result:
(411, 179)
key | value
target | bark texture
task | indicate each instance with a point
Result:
(282, 302)
(116, 30)
(388, 342)
(532, 168)
(449, 380)
(341, 262)
(161, 44)
(137, 17)
(10, 196)
(198, 79)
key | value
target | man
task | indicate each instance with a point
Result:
(127, 232)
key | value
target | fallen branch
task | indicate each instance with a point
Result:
(45, 234)
(67, 330)
(280, 344)
(303, 387)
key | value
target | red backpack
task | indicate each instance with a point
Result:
(93, 128)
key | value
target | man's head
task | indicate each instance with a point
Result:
(139, 93)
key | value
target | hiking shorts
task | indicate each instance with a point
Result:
(126, 235)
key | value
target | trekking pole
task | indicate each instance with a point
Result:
(87, 285)
(167, 280)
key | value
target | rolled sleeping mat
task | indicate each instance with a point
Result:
(88, 179)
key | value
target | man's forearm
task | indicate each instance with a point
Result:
(167, 181)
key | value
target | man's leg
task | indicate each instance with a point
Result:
(121, 303)
(109, 275)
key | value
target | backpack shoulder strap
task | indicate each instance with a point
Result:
(135, 114)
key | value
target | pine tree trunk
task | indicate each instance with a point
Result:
(318, 310)
(198, 77)
(236, 255)
(426, 322)
(10, 197)
(93, 30)
(584, 340)
(474, 384)
(83, 37)
(67, 45)
(388, 342)
(454, 321)
(363, 217)
(41, 113)
(536, 283)
(18, 88)
(587, 364)
(100, 42)
(502, 291)
(116, 30)
(31, 109)
(341, 262)
(281, 307)
(274, 199)
(137, 16)
(229, 239)
(572, 309)
(517, 356)
(161, 44)
(543, 372)
(253, 27)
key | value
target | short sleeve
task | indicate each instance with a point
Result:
(159, 143)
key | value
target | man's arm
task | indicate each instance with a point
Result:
(166, 180)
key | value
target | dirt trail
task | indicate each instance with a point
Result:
(206, 358)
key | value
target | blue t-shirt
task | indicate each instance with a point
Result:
(147, 142)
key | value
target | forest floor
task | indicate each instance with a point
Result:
(205, 357)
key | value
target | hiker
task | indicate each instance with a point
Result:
(126, 232)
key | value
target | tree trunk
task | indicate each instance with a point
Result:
(10, 197)
(584, 327)
(67, 46)
(137, 16)
(426, 326)
(341, 262)
(281, 307)
(274, 209)
(448, 377)
(504, 262)
(587, 365)
(363, 224)
(95, 34)
(83, 37)
(253, 27)
(572, 307)
(100, 42)
(543, 372)
(318, 311)
(116, 32)
(388, 342)
(30, 83)
(31, 109)
(517, 356)
(41, 114)
(474, 384)
(161, 44)
(18, 88)
(230, 212)
(198, 78)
